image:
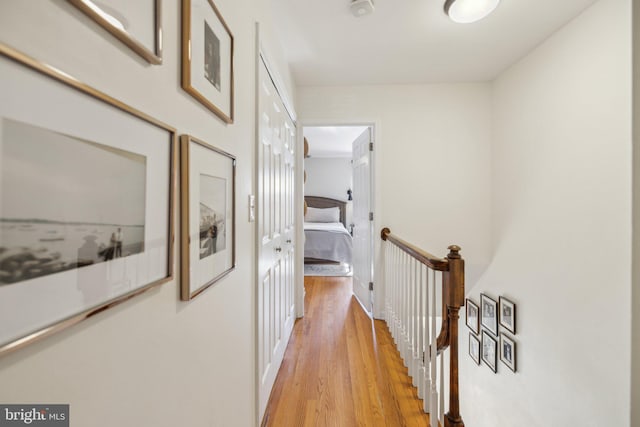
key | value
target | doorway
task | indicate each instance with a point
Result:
(338, 189)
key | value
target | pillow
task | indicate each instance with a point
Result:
(322, 215)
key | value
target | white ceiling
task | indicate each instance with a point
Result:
(331, 141)
(410, 41)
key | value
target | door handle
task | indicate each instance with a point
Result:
(278, 249)
(288, 240)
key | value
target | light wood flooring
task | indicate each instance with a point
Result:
(341, 369)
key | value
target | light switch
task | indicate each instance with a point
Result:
(252, 208)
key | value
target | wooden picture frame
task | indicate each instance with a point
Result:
(79, 252)
(136, 24)
(489, 314)
(474, 348)
(207, 57)
(207, 188)
(507, 315)
(489, 351)
(473, 316)
(508, 351)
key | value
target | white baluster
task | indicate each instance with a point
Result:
(420, 375)
(427, 343)
(442, 394)
(433, 407)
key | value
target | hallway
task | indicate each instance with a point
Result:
(340, 368)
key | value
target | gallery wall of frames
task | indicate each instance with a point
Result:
(492, 328)
(90, 218)
(127, 255)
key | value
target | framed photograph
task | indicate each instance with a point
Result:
(87, 221)
(508, 351)
(473, 316)
(507, 315)
(474, 348)
(207, 57)
(138, 24)
(489, 314)
(489, 351)
(208, 186)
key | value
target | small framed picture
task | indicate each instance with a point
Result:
(207, 57)
(208, 215)
(508, 351)
(508, 315)
(473, 316)
(489, 354)
(474, 348)
(489, 314)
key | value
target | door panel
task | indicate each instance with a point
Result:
(363, 225)
(276, 225)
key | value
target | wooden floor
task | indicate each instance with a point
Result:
(341, 368)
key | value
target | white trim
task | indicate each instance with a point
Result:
(378, 288)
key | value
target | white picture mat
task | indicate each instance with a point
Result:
(33, 98)
(202, 11)
(205, 161)
(138, 18)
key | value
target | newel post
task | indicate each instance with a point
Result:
(455, 300)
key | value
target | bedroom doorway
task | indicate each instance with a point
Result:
(338, 192)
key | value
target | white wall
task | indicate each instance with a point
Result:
(432, 160)
(329, 177)
(561, 188)
(153, 361)
(635, 311)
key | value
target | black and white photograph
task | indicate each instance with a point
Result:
(489, 314)
(489, 351)
(208, 215)
(86, 201)
(211, 56)
(474, 348)
(213, 208)
(66, 203)
(508, 351)
(508, 315)
(207, 57)
(473, 316)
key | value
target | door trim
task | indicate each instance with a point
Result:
(378, 291)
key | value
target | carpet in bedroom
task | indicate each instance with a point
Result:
(327, 270)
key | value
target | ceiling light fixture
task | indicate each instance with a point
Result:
(467, 11)
(361, 7)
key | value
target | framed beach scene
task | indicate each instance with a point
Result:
(86, 201)
(207, 185)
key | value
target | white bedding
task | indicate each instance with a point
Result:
(327, 240)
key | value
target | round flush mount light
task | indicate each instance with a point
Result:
(467, 11)
(361, 7)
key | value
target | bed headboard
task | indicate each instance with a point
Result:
(325, 202)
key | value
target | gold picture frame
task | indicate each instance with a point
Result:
(208, 199)
(83, 285)
(207, 57)
(118, 23)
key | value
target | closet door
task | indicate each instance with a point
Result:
(275, 225)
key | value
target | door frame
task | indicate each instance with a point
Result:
(378, 291)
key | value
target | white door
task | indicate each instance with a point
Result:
(363, 220)
(275, 225)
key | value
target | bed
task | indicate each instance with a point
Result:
(326, 237)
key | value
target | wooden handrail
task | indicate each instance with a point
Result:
(452, 268)
(438, 264)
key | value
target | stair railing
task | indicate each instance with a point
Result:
(415, 281)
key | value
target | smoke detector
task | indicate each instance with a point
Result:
(361, 7)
